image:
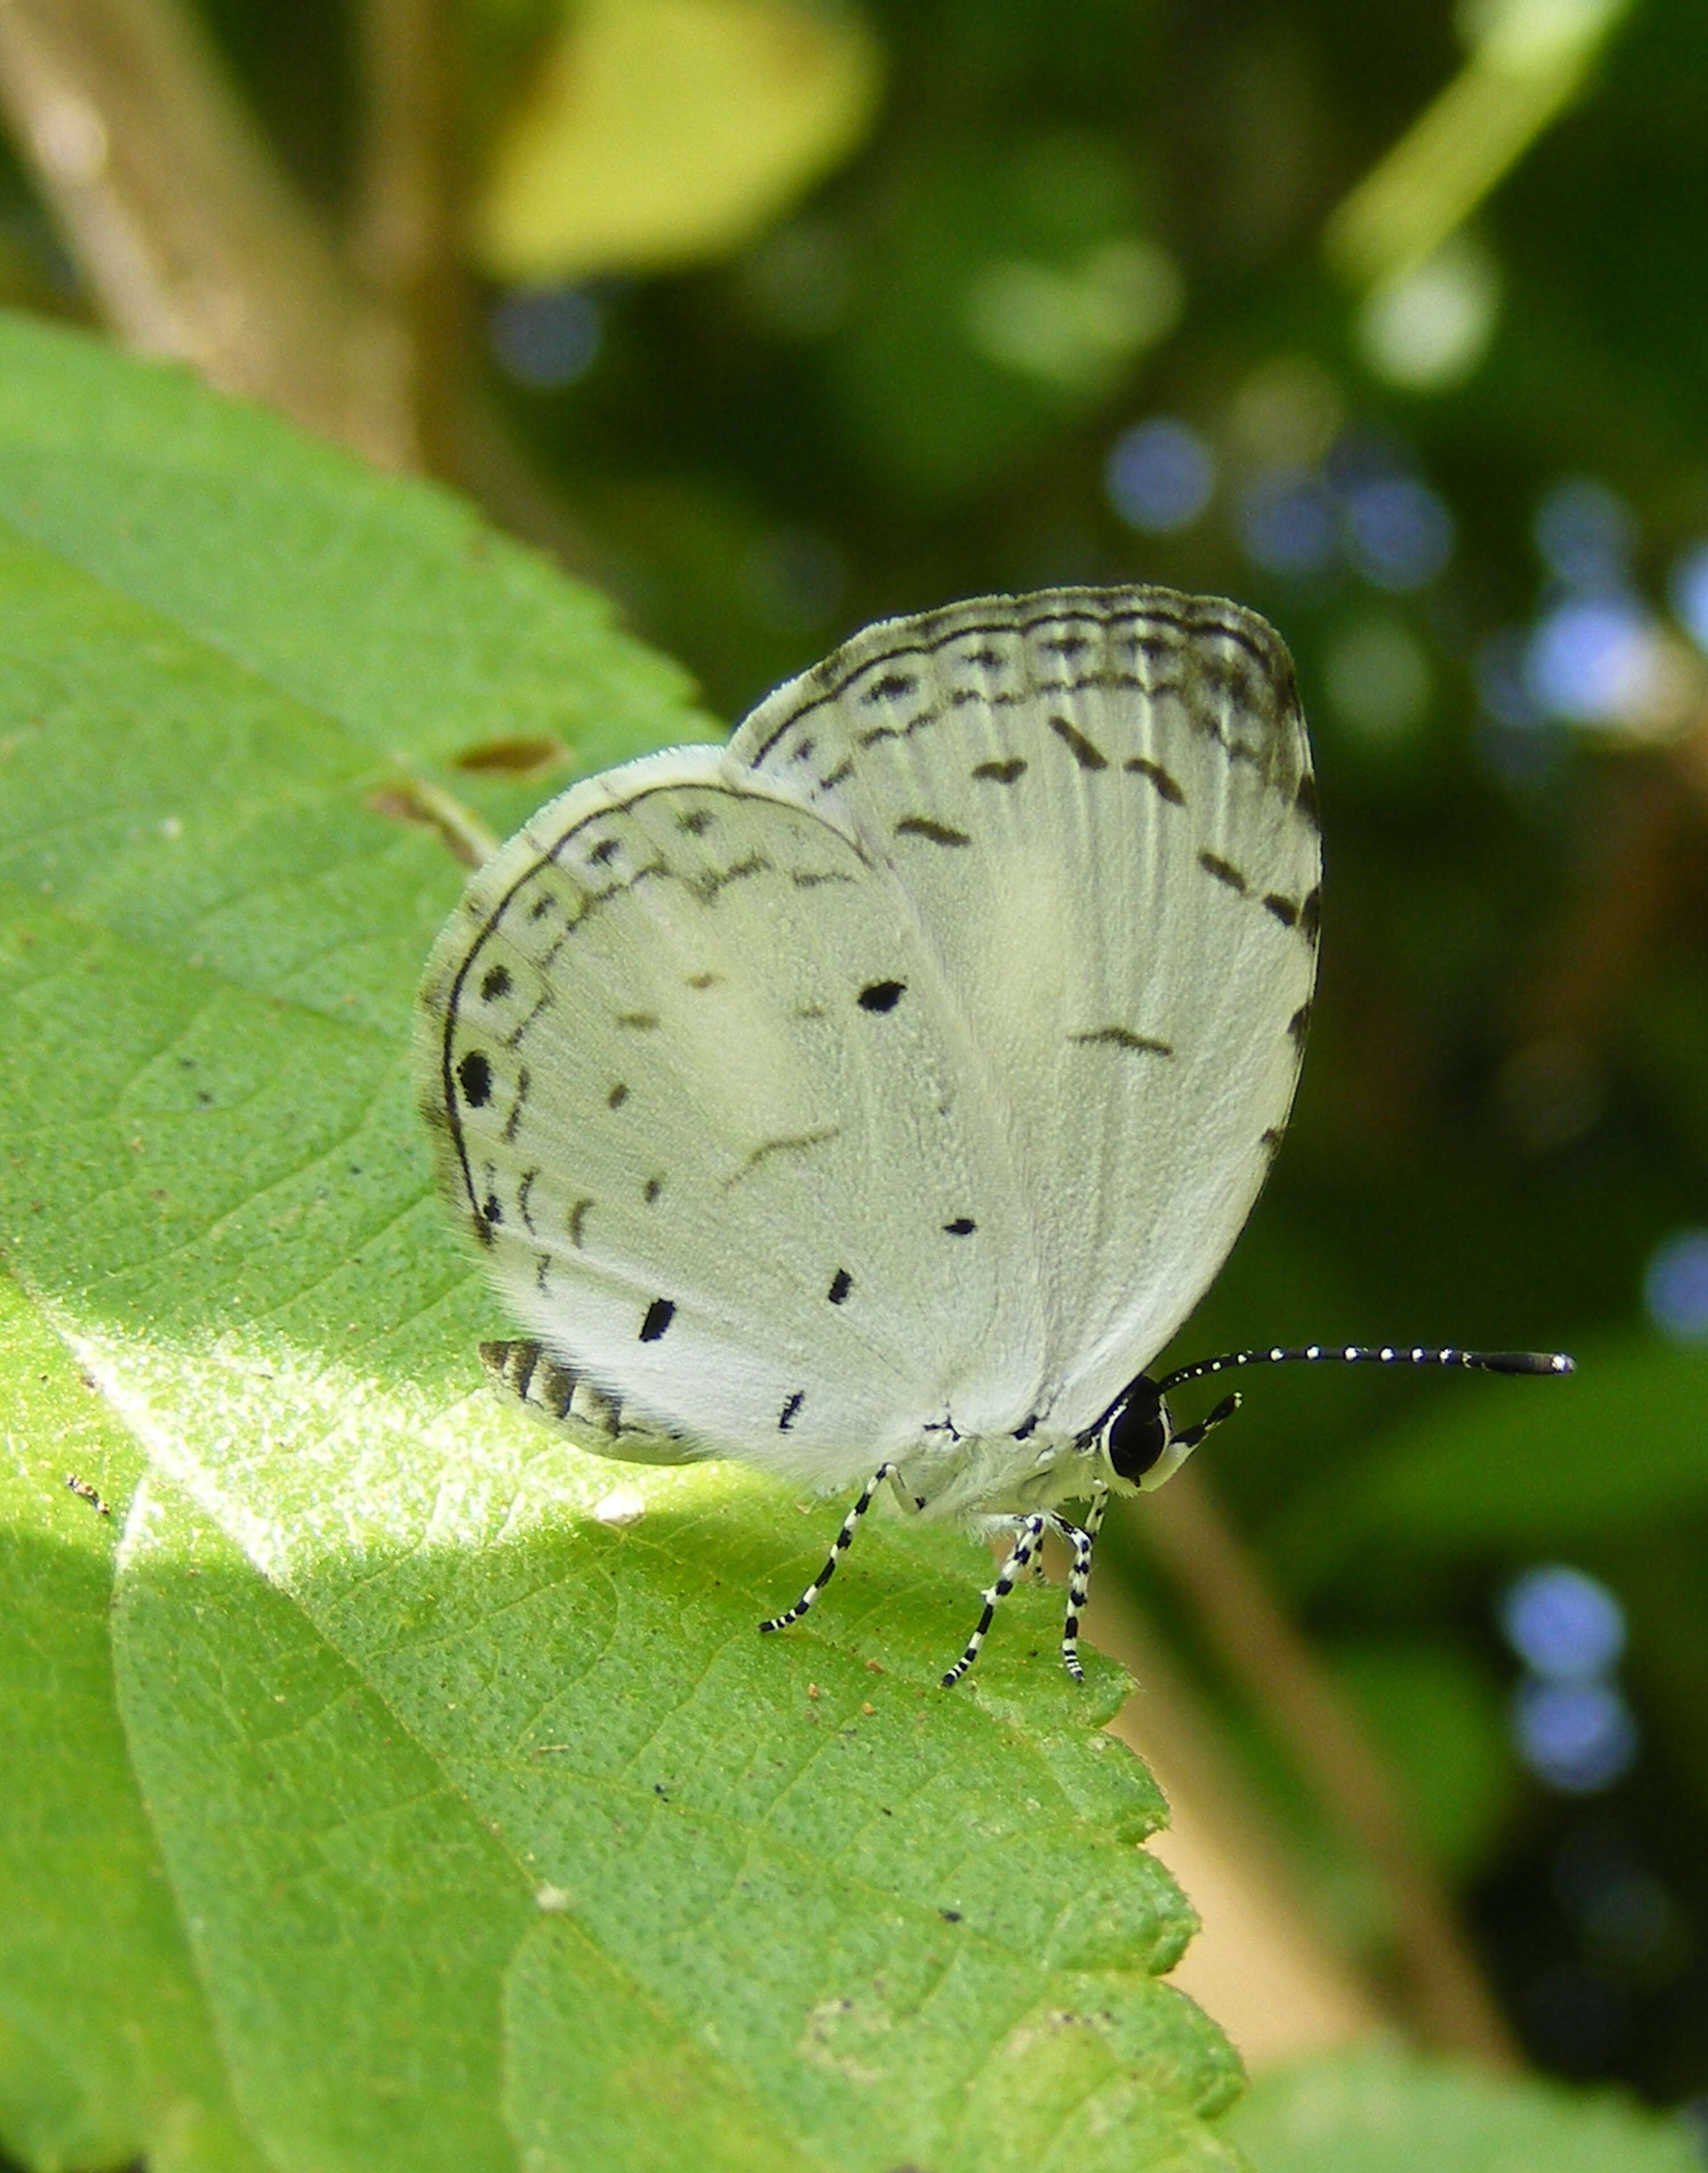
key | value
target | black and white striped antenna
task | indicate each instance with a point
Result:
(1372, 1354)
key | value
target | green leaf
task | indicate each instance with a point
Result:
(1383, 2112)
(105, 2040)
(372, 1802)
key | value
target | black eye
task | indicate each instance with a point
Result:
(1137, 1434)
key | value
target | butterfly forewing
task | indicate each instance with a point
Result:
(914, 1060)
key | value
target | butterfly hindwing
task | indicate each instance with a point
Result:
(709, 1124)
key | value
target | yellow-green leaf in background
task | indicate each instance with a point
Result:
(662, 133)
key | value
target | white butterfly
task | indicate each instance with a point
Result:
(884, 1088)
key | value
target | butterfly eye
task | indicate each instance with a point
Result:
(1137, 1434)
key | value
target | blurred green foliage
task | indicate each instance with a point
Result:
(1073, 218)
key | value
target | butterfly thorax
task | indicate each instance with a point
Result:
(1002, 1476)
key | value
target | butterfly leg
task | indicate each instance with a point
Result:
(1029, 1539)
(844, 1540)
(1081, 1538)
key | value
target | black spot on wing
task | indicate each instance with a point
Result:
(578, 1221)
(702, 981)
(1085, 751)
(617, 1095)
(639, 1022)
(659, 1316)
(1270, 1141)
(963, 1225)
(787, 1143)
(519, 1101)
(881, 995)
(902, 731)
(695, 821)
(519, 1033)
(650, 1191)
(1286, 910)
(892, 687)
(1225, 872)
(1123, 1037)
(791, 1404)
(605, 850)
(1000, 772)
(938, 833)
(1142, 766)
(1299, 1024)
(1229, 676)
(474, 1075)
(841, 1283)
(706, 887)
(495, 983)
(1305, 800)
(1311, 914)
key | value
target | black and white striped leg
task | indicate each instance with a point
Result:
(844, 1539)
(1081, 1538)
(1029, 1539)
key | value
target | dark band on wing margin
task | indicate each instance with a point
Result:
(1271, 661)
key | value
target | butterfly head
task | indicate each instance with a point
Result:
(1138, 1440)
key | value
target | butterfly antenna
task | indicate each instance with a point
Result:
(1373, 1353)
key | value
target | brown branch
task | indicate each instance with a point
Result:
(191, 241)
(1265, 1654)
(407, 246)
(406, 239)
